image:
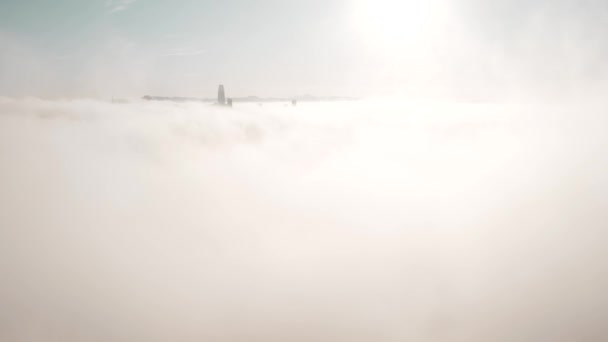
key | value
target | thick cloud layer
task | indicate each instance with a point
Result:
(362, 221)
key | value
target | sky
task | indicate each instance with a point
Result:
(130, 48)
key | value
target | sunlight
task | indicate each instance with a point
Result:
(397, 26)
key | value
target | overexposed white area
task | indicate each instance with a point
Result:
(376, 220)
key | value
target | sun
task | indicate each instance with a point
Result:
(395, 26)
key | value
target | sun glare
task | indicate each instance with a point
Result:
(395, 26)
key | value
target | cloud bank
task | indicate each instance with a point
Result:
(363, 221)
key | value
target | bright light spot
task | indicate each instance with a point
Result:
(397, 26)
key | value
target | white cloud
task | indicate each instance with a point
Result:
(118, 5)
(467, 221)
(183, 53)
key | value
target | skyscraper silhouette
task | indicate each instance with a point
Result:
(221, 96)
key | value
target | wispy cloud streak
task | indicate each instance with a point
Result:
(184, 53)
(114, 6)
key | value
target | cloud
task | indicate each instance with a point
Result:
(468, 222)
(65, 57)
(183, 53)
(118, 5)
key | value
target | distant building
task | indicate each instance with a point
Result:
(221, 96)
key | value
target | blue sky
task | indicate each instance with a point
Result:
(181, 45)
(102, 48)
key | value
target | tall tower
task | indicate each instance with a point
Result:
(221, 96)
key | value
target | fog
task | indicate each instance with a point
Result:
(375, 220)
(460, 195)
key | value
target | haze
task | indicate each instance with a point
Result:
(459, 195)
(464, 48)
